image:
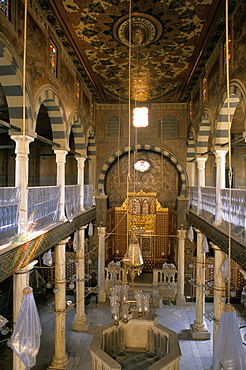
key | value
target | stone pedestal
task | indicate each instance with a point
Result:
(81, 321)
(20, 281)
(60, 360)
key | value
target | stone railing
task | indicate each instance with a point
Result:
(166, 283)
(231, 209)
(43, 208)
(138, 335)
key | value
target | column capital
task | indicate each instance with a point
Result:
(22, 143)
(64, 241)
(201, 162)
(182, 233)
(80, 162)
(101, 230)
(198, 231)
(60, 155)
(220, 155)
(215, 247)
(82, 227)
(27, 268)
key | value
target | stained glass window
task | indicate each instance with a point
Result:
(204, 89)
(53, 58)
(229, 53)
(191, 109)
(5, 7)
(77, 92)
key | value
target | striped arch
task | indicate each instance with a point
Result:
(237, 94)
(153, 148)
(203, 134)
(79, 135)
(191, 149)
(11, 81)
(47, 96)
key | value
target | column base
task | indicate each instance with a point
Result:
(180, 300)
(67, 366)
(199, 332)
(80, 325)
(102, 296)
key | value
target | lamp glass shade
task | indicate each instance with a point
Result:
(140, 117)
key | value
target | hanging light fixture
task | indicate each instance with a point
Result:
(133, 260)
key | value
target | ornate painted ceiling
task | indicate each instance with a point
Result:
(168, 40)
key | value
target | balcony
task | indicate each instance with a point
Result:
(221, 221)
(44, 225)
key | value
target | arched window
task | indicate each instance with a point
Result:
(169, 126)
(113, 126)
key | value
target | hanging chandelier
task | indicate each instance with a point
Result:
(133, 260)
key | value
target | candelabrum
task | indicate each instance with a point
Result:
(122, 308)
(169, 271)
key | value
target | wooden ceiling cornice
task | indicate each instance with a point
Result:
(216, 11)
(64, 21)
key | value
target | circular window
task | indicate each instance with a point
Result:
(142, 166)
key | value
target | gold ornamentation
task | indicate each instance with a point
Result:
(142, 222)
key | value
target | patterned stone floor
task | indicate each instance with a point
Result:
(196, 355)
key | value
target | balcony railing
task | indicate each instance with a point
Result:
(233, 208)
(72, 201)
(9, 212)
(43, 208)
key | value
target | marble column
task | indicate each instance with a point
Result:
(190, 168)
(60, 359)
(61, 160)
(21, 177)
(200, 180)
(219, 288)
(101, 264)
(92, 172)
(180, 297)
(20, 281)
(81, 321)
(220, 160)
(80, 180)
(199, 330)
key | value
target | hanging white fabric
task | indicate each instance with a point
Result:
(3, 321)
(225, 268)
(228, 349)
(25, 341)
(205, 248)
(190, 234)
(47, 258)
(90, 229)
(75, 241)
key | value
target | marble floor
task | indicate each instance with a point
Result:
(196, 355)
